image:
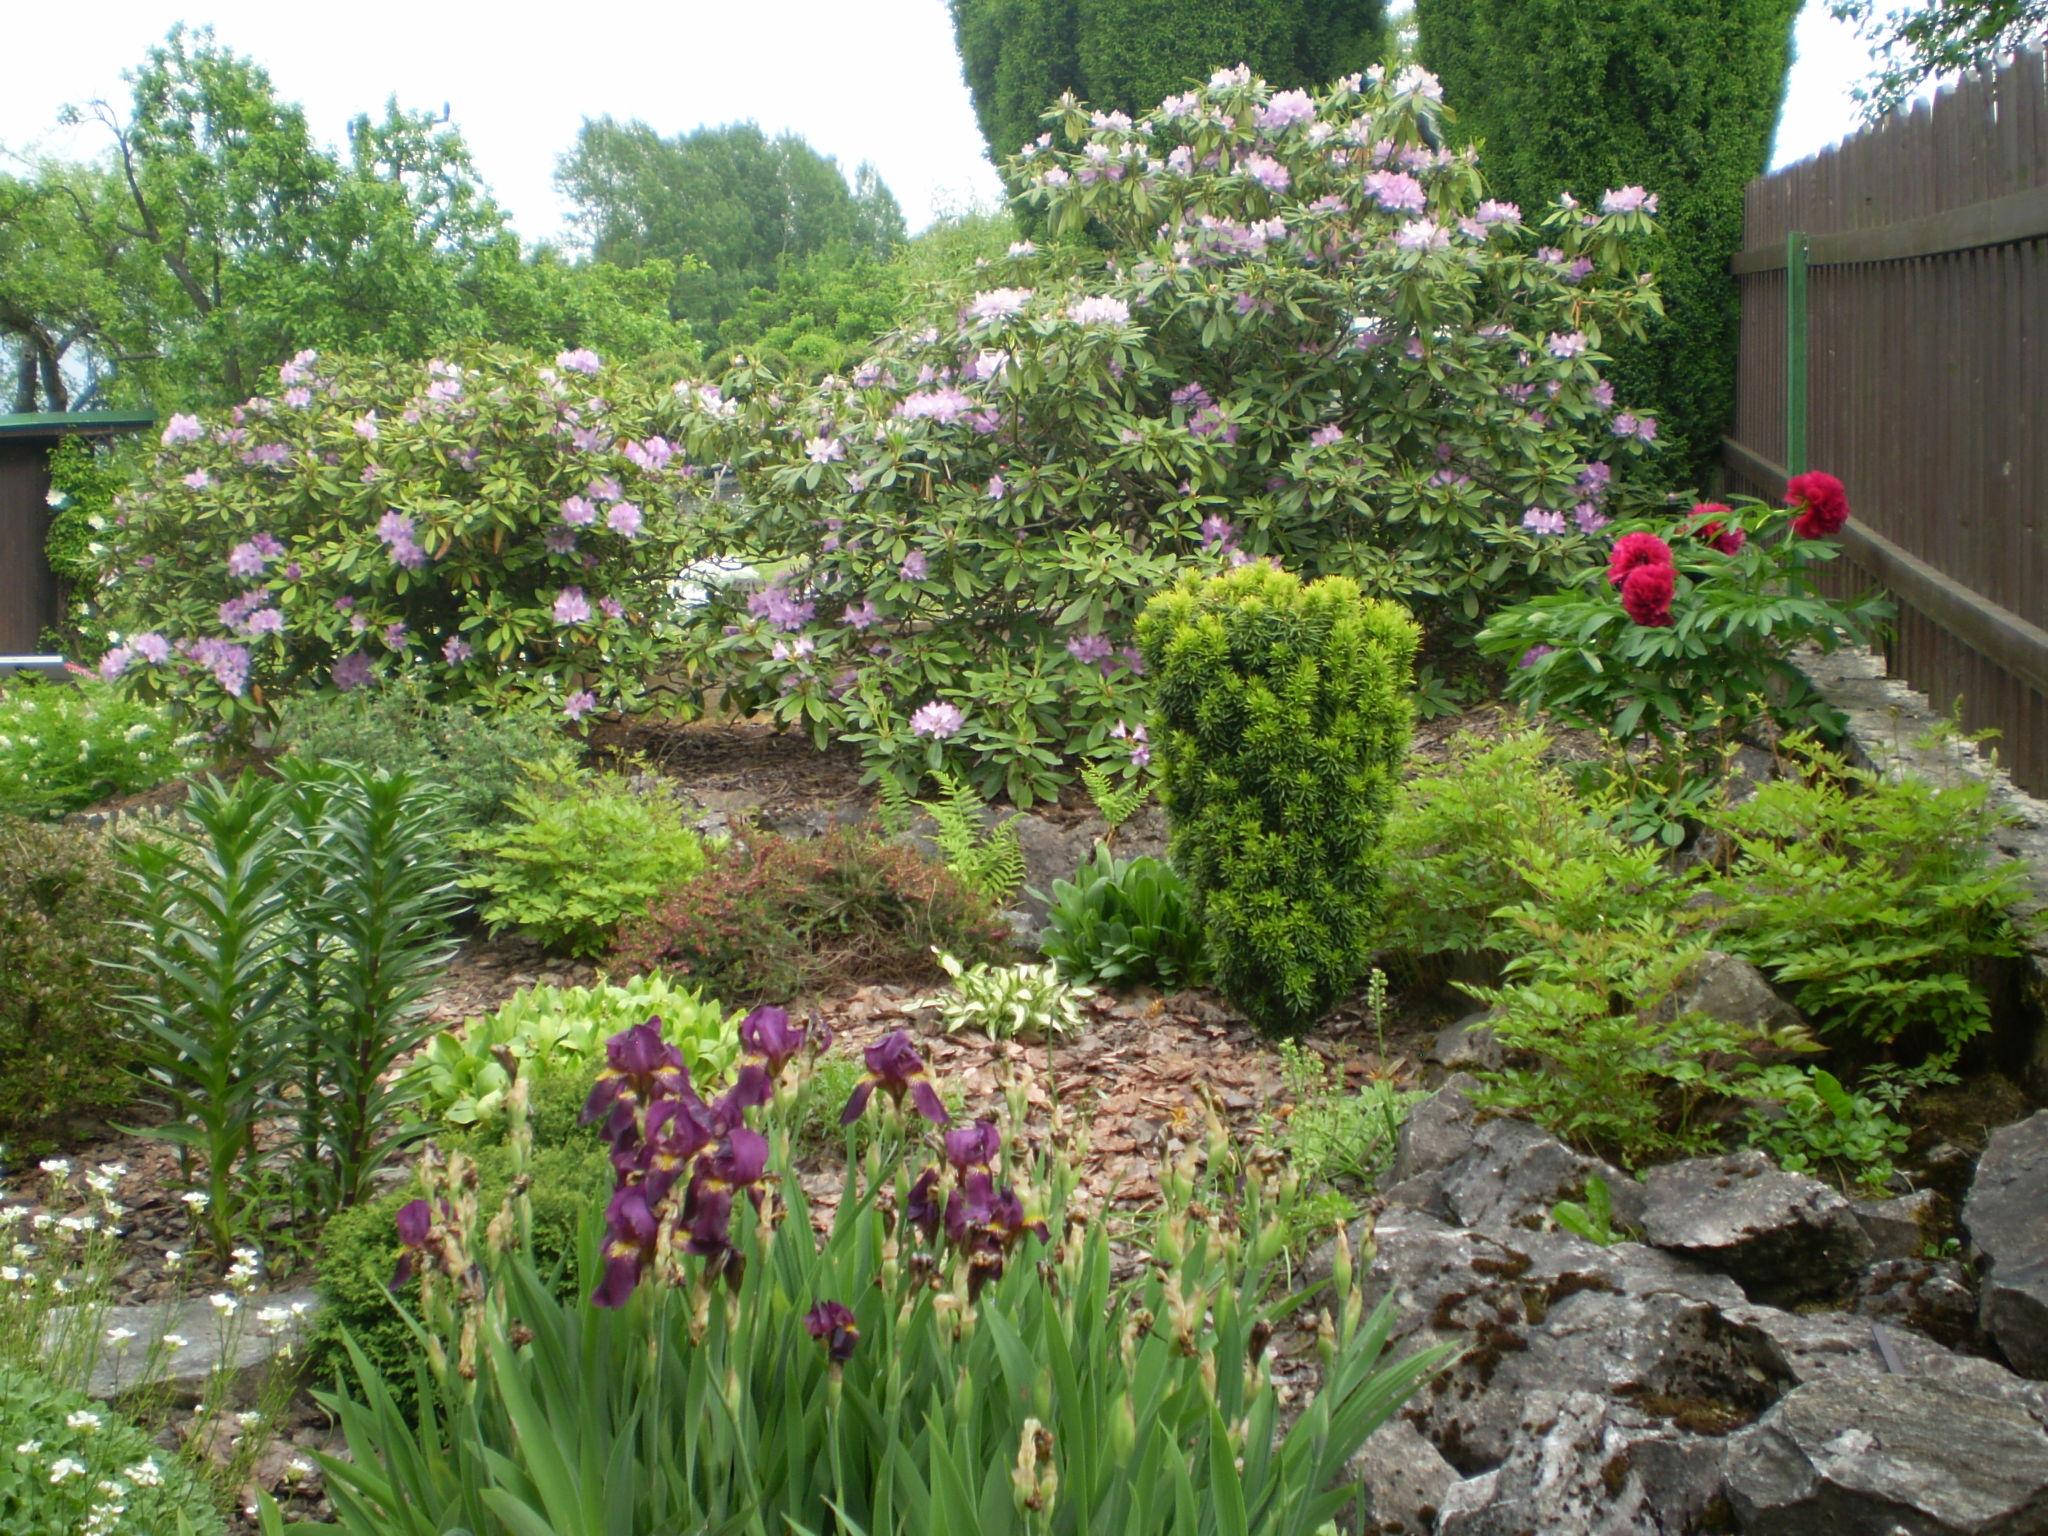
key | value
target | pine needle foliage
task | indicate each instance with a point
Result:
(1284, 713)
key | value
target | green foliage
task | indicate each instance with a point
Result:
(1332, 1135)
(359, 1253)
(822, 314)
(1011, 1002)
(65, 746)
(1721, 663)
(478, 757)
(1021, 55)
(1116, 803)
(1193, 395)
(1619, 1070)
(559, 1032)
(1594, 1219)
(1679, 96)
(417, 518)
(782, 918)
(287, 933)
(1918, 44)
(1818, 1126)
(89, 478)
(724, 206)
(58, 906)
(54, 1472)
(1127, 1405)
(983, 854)
(577, 855)
(1479, 834)
(1875, 901)
(1283, 722)
(1125, 923)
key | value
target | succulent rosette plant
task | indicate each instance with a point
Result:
(1296, 329)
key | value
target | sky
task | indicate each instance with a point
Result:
(873, 80)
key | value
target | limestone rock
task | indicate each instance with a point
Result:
(1930, 1296)
(1729, 988)
(1405, 1480)
(1897, 1229)
(1889, 1456)
(1513, 1173)
(1784, 1236)
(2006, 1215)
(1468, 1045)
(246, 1343)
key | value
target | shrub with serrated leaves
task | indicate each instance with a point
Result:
(1303, 334)
(1283, 719)
(65, 747)
(1125, 923)
(561, 1030)
(495, 526)
(1875, 901)
(578, 854)
(787, 917)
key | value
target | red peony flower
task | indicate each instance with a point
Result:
(1646, 595)
(1823, 504)
(1634, 551)
(1707, 525)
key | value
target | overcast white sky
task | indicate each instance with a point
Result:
(860, 79)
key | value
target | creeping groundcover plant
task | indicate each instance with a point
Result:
(1268, 324)
(491, 525)
(951, 1354)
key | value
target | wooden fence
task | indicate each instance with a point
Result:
(1894, 305)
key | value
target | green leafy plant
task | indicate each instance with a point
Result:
(67, 746)
(576, 855)
(59, 918)
(1019, 1394)
(984, 855)
(1876, 901)
(1815, 1125)
(479, 757)
(1125, 922)
(1479, 835)
(1115, 802)
(1592, 1219)
(1618, 1070)
(70, 1464)
(1283, 720)
(1682, 631)
(543, 1032)
(1335, 1136)
(780, 917)
(1011, 1002)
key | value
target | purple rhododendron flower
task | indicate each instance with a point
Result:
(604, 488)
(611, 607)
(1088, 648)
(1628, 200)
(580, 704)
(115, 662)
(182, 429)
(624, 519)
(559, 541)
(825, 450)
(914, 567)
(298, 397)
(571, 606)
(264, 621)
(578, 513)
(1566, 344)
(774, 603)
(1099, 309)
(1329, 432)
(1542, 521)
(1589, 518)
(582, 360)
(1397, 192)
(366, 426)
(352, 671)
(944, 406)
(936, 719)
(1141, 747)
(198, 480)
(1285, 110)
(1534, 654)
(152, 648)
(456, 650)
(861, 615)
(1268, 173)
(996, 488)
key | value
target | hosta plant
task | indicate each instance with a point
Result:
(485, 522)
(1297, 328)
(466, 1073)
(1011, 1002)
(1125, 923)
(950, 1353)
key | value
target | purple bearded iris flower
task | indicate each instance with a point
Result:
(973, 1146)
(895, 1067)
(415, 1223)
(767, 1035)
(630, 1232)
(640, 1068)
(832, 1325)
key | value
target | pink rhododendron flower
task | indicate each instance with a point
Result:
(1268, 172)
(577, 512)
(115, 662)
(1566, 344)
(914, 567)
(1543, 522)
(182, 429)
(1329, 432)
(936, 720)
(582, 360)
(1099, 309)
(611, 607)
(580, 704)
(198, 480)
(456, 650)
(571, 606)
(1628, 200)
(298, 397)
(824, 450)
(992, 305)
(366, 427)
(624, 519)
(1397, 191)
(1285, 110)
(1422, 235)
(151, 647)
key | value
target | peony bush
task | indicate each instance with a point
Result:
(490, 526)
(1277, 324)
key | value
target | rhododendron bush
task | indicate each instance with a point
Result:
(493, 525)
(1303, 334)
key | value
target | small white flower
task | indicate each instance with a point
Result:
(174, 1342)
(298, 1467)
(56, 1167)
(84, 1419)
(174, 1260)
(223, 1303)
(248, 1420)
(144, 1474)
(28, 1448)
(119, 1337)
(196, 1198)
(65, 1467)
(273, 1317)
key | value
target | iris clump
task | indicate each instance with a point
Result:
(949, 1350)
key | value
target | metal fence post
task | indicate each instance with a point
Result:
(1795, 352)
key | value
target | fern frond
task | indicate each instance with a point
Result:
(1115, 803)
(986, 859)
(894, 809)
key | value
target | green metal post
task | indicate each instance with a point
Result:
(1795, 353)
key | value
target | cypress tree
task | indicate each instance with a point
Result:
(1679, 96)
(1019, 56)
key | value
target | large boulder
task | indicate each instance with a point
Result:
(1900, 1228)
(1514, 1173)
(1784, 1236)
(2006, 1215)
(1731, 989)
(206, 1345)
(1890, 1456)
